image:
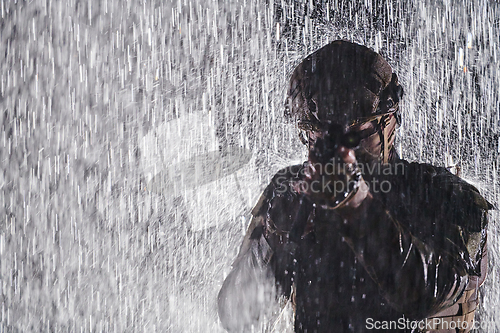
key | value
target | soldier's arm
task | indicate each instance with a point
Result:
(262, 272)
(415, 276)
(248, 292)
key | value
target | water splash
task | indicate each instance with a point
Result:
(100, 99)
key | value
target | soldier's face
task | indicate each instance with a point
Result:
(370, 147)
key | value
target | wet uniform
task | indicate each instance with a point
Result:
(416, 251)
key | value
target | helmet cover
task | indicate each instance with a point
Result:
(342, 82)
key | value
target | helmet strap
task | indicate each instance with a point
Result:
(384, 151)
(385, 131)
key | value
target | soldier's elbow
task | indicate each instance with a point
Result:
(244, 299)
(237, 310)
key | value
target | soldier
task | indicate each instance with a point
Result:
(356, 237)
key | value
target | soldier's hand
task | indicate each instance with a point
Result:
(333, 183)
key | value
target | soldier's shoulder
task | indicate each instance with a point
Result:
(447, 185)
(286, 174)
(278, 199)
(280, 182)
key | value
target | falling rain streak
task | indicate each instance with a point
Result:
(137, 135)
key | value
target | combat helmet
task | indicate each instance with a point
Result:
(347, 84)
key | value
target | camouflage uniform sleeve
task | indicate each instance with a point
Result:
(253, 241)
(249, 291)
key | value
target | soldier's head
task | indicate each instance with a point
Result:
(349, 93)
